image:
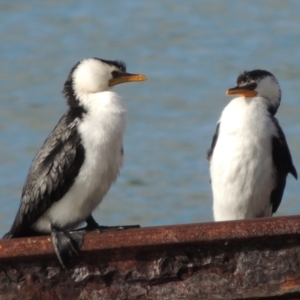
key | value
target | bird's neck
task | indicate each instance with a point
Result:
(103, 103)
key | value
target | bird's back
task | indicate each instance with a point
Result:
(51, 174)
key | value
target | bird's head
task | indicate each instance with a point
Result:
(95, 75)
(259, 83)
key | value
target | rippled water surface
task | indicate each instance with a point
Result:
(191, 53)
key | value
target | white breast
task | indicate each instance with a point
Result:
(241, 166)
(101, 131)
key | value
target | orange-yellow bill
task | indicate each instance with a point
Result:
(241, 91)
(126, 77)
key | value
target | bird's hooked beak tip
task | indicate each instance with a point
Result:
(126, 77)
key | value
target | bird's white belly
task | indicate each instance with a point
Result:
(103, 159)
(242, 168)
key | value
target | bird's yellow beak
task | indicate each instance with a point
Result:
(240, 91)
(126, 77)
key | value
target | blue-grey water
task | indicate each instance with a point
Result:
(191, 53)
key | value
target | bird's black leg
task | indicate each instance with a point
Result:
(66, 244)
(93, 225)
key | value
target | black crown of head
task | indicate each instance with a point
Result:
(117, 63)
(255, 75)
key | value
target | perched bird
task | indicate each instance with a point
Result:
(79, 160)
(249, 156)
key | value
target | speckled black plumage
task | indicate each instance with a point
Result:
(51, 174)
(283, 164)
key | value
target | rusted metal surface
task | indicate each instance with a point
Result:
(249, 259)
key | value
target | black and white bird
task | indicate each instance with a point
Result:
(249, 156)
(79, 160)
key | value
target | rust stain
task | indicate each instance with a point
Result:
(290, 283)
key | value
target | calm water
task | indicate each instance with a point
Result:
(191, 54)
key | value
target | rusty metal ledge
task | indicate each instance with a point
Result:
(160, 235)
(248, 259)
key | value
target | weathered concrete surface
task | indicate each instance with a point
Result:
(250, 259)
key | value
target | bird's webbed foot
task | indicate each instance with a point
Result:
(66, 243)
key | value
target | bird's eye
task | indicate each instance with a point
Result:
(115, 74)
(252, 86)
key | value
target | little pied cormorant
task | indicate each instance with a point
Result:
(249, 156)
(79, 160)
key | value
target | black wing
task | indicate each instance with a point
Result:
(51, 174)
(213, 143)
(283, 164)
